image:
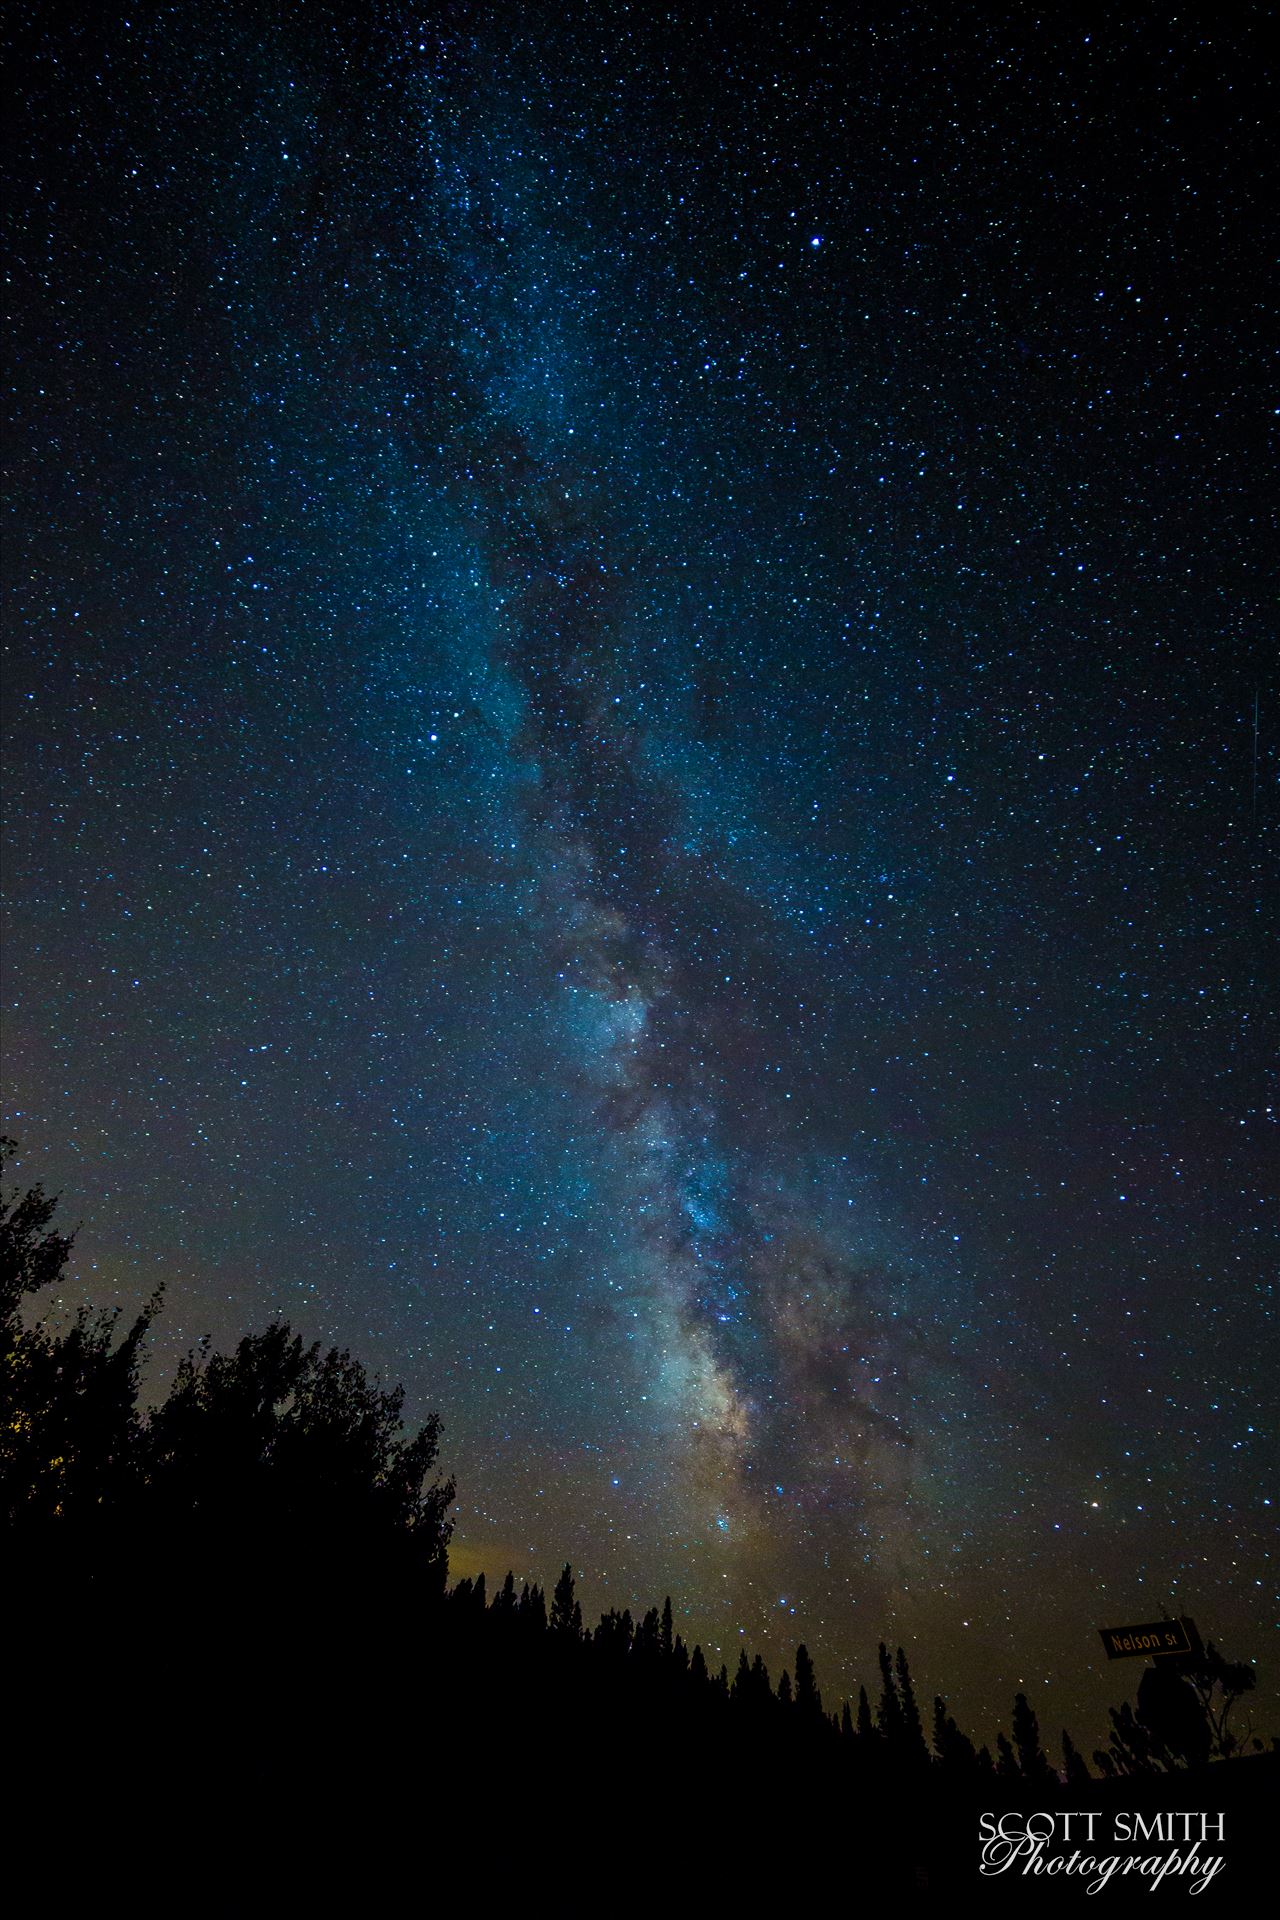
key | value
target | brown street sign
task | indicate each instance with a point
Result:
(1149, 1641)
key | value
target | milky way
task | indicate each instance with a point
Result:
(641, 748)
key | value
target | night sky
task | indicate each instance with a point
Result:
(641, 780)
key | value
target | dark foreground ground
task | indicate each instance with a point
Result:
(181, 1744)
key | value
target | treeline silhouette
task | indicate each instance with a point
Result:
(238, 1601)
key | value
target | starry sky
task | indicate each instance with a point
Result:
(640, 720)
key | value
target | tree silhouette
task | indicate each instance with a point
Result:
(914, 1751)
(867, 1734)
(32, 1256)
(277, 1444)
(299, 1449)
(274, 1500)
(68, 1416)
(1075, 1772)
(889, 1713)
(1032, 1762)
(563, 1605)
(614, 1633)
(808, 1698)
(953, 1748)
(1180, 1718)
(1218, 1684)
(648, 1642)
(1129, 1749)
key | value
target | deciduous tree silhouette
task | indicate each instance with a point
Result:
(1129, 1749)
(68, 1416)
(32, 1255)
(1180, 1718)
(299, 1449)
(275, 1449)
(1218, 1684)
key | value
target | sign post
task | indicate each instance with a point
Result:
(1153, 1640)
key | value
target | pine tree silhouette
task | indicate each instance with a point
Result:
(1075, 1772)
(562, 1603)
(1032, 1762)
(914, 1751)
(648, 1642)
(284, 1470)
(953, 1748)
(808, 1698)
(889, 1713)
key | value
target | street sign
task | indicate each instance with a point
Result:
(1149, 1641)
